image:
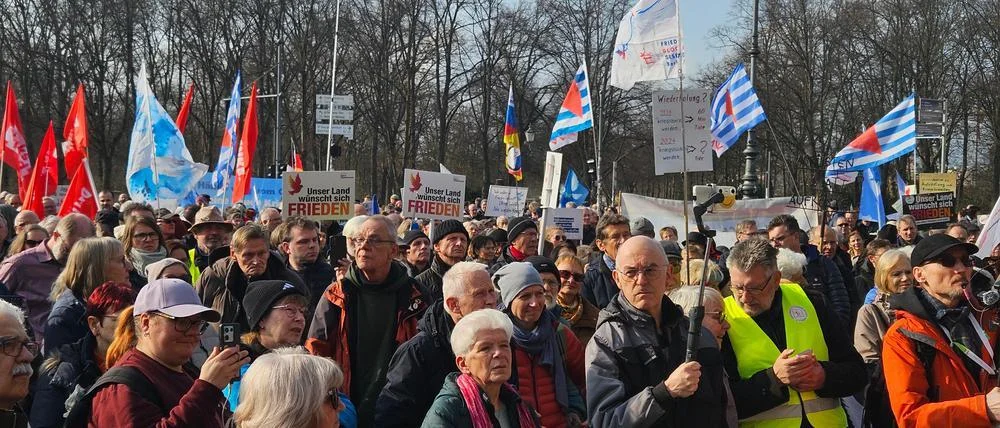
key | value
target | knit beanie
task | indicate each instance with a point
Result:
(512, 279)
(518, 225)
(261, 296)
(446, 228)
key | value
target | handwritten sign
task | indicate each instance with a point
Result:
(507, 201)
(938, 182)
(668, 151)
(570, 220)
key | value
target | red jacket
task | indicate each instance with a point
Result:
(960, 398)
(536, 384)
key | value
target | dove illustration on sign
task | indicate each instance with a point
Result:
(415, 182)
(294, 184)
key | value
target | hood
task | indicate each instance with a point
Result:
(437, 323)
(911, 302)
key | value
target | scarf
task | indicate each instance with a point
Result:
(542, 341)
(517, 255)
(140, 259)
(571, 311)
(474, 399)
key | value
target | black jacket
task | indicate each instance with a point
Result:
(598, 287)
(63, 373)
(824, 278)
(864, 277)
(223, 285)
(845, 371)
(317, 277)
(417, 372)
(504, 259)
(432, 280)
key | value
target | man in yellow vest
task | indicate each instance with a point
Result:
(210, 232)
(788, 358)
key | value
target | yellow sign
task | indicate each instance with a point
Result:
(938, 182)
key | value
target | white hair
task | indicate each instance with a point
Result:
(687, 296)
(286, 388)
(8, 309)
(791, 264)
(351, 230)
(463, 336)
(457, 279)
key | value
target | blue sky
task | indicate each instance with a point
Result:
(698, 18)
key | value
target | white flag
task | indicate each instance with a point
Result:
(443, 169)
(648, 45)
(989, 234)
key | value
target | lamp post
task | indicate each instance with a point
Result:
(750, 188)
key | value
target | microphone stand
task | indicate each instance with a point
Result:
(697, 313)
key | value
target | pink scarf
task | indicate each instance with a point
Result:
(477, 411)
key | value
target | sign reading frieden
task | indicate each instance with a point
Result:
(433, 195)
(318, 195)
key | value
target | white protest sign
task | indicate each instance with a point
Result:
(318, 195)
(667, 121)
(570, 220)
(60, 193)
(433, 195)
(550, 184)
(506, 200)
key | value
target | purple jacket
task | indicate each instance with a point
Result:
(30, 275)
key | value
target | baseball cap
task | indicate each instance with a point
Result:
(935, 245)
(173, 297)
(641, 226)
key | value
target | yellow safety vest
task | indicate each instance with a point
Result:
(192, 267)
(755, 352)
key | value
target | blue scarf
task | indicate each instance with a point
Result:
(542, 341)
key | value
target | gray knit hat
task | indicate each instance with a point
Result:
(512, 279)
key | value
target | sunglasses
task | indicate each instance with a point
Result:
(565, 274)
(948, 260)
(31, 243)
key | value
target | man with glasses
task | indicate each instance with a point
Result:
(598, 285)
(958, 386)
(745, 229)
(787, 354)
(15, 365)
(363, 317)
(636, 374)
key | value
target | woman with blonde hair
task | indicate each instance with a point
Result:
(693, 270)
(893, 275)
(29, 238)
(580, 314)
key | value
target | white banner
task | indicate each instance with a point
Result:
(506, 200)
(318, 195)
(570, 220)
(666, 212)
(667, 124)
(550, 184)
(433, 195)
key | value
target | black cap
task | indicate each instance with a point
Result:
(671, 248)
(261, 296)
(498, 235)
(696, 238)
(518, 225)
(543, 264)
(935, 245)
(446, 228)
(410, 236)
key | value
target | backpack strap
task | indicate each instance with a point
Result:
(131, 377)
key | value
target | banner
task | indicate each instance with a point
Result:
(666, 212)
(551, 182)
(318, 195)
(937, 182)
(268, 192)
(433, 195)
(506, 201)
(667, 135)
(931, 210)
(570, 220)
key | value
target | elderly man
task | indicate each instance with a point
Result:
(50, 206)
(270, 218)
(906, 226)
(23, 220)
(598, 285)
(589, 226)
(300, 244)
(31, 273)
(522, 238)
(938, 358)
(636, 374)
(786, 352)
(958, 231)
(451, 242)
(365, 316)
(224, 284)
(15, 365)
(829, 247)
(421, 364)
(210, 233)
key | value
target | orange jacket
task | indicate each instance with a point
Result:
(959, 401)
(536, 384)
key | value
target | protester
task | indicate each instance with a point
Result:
(32, 273)
(270, 219)
(668, 233)
(958, 231)
(421, 364)
(33, 236)
(15, 365)
(472, 227)
(652, 389)
(416, 249)
(483, 249)
(598, 286)
(781, 340)
(106, 200)
(577, 312)
(956, 386)
(692, 271)
(829, 247)
(143, 246)
(223, 285)
(210, 233)
(893, 275)
(640, 226)
(365, 315)
(855, 246)
(300, 241)
(177, 251)
(864, 270)
(522, 242)
(906, 227)
(554, 235)
(23, 220)
(745, 229)
(791, 266)
(5, 233)
(70, 370)
(546, 268)
(166, 321)
(590, 219)
(168, 268)
(451, 243)
(92, 262)
(49, 223)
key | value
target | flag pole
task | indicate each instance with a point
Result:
(333, 83)
(86, 164)
(680, 78)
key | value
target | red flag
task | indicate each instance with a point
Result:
(15, 150)
(81, 197)
(296, 164)
(75, 133)
(182, 116)
(248, 144)
(45, 175)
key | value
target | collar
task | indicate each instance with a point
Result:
(943, 314)
(608, 261)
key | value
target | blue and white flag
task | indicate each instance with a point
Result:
(894, 135)
(735, 110)
(648, 44)
(573, 190)
(900, 185)
(575, 114)
(159, 163)
(230, 142)
(872, 208)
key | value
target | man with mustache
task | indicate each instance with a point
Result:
(16, 352)
(958, 387)
(210, 232)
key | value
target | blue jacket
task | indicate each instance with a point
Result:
(824, 277)
(66, 323)
(598, 286)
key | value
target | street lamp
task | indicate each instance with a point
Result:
(749, 188)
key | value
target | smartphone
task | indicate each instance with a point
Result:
(229, 335)
(338, 248)
(806, 352)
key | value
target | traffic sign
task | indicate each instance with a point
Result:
(346, 130)
(324, 116)
(338, 100)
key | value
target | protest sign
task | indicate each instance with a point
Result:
(506, 200)
(318, 195)
(433, 195)
(667, 134)
(570, 220)
(931, 210)
(937, 182)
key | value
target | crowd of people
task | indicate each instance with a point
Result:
(211, 317)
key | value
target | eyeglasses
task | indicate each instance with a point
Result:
(184, 325)
(947, 260)
(12, 346)
(291, 310)
(565, 274)
(718, 315)
(31, 243)
(754, 290)
(144, 236)
(333, 398)
(361, 242)
(633, 273)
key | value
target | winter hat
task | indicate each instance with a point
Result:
(498, 235)
(409, 237)
(446, 228)
(512, 279)
(518, 225)
(642, 227)
(261, 295)
(543, 264)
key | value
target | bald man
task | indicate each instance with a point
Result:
(24, 220)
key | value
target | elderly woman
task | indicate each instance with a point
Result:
(481, 343)
(144, 245)
(29, 238)
(91, 262)
(306, 384)
(548, 358)
(580, 314)
(159, 335)
(792, 266)
(692, 271)
(893, 275)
